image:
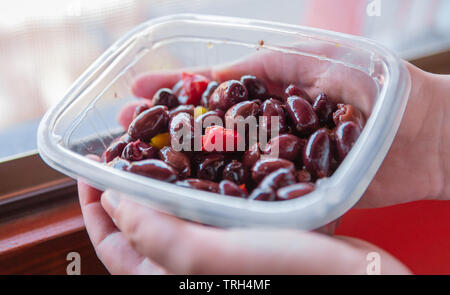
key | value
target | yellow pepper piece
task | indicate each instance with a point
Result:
(161, 140)
(198, 111)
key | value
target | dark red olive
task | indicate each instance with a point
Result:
(272, 108)
(257, 89)
(138, 150)
(279, 178)
(149, 123)
(302, 115)
(227, 94)
(211, 167)
(182, 109)
(243, 109)
(210, 118)
(154, 169)
(177, 160)
(348, 113)
(235, 172)
(200, 184)
(293, 90)
(230, 188)
(303, 176)
(324, 108)
(294, 191)
(317, 153)
(265, 166)
(114, 150)
(181, 132)
(286, 146)
(251, 156)
(346, 135)
(208, 92)
(262, 194)
(139, 109)
(119, 163)
(165, 96)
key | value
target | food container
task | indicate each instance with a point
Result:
(84, 121)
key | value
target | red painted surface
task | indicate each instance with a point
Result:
(418, 233)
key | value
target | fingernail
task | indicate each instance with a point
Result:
(112, 197)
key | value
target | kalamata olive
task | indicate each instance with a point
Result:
(251, 156)
(119, 163)
(182, 109)
(324, 108)
(279, 178)
(262, 194)
(243, 109)
(348, 113)
(165, 96)
(286, 146)
(303, 176)
(272, 108)
(114, 150)
(346, 135)
(149, 123)
(302, 115)
(154, 169)
(294, 191)
(257, 89)
(138, 150)
(200, 184)
(208, 92)
(177, 160)
(210, 118)
(181, 131)
(317, 153)
(235, 172)
(265, 166)
(293, 90)
(211, 167)
(139, 109)
(227, 94)
(230, 188)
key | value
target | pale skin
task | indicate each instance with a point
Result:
(133, 239)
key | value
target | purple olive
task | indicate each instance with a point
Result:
(293, 90)
(272, 108)
(346, 135)
(263, 194)
(294, 191)
(251, 156)
(211, 167)
(279, 178)
(178, 160)
(138, 150)
(230, 188)
(235, 172)
(302, 115)
(165, 96)
(324, 108)
(208, 92)
(289, 147)
(200, 184)
(114, 150)
(149, 123)
(227, 94)
(265, 166)
(182, 109)
(139, 109)
(348, 113)
(154, 169)
(257, 89)
(317, 153)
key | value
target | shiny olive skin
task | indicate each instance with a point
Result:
(211, 167)
(176, 89)
(324, 108)
(267, 165)
(138, 150)
(348, 113)
(251, 156)
(317, 153)
(227, 94)
(346, 135)
(302, 115)
(181, 130)
(216, 114)
(154, 169)
(166, 97)
(114, 150)
(263, 194)
(257, 89)
(200, 184)
(230, 188)
(294, 191)
(235, 172)
(290, 147)
(139, 109)
(279, 178)
(178, 160)
(208, 92)
(293, 90)
(303, 176)
(149, 123)
(268, 109)
(182, 109)
(119, 163)
(243, 109)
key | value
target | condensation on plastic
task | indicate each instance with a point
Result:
(85, 122)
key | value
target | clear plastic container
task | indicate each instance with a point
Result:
(84, 121)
